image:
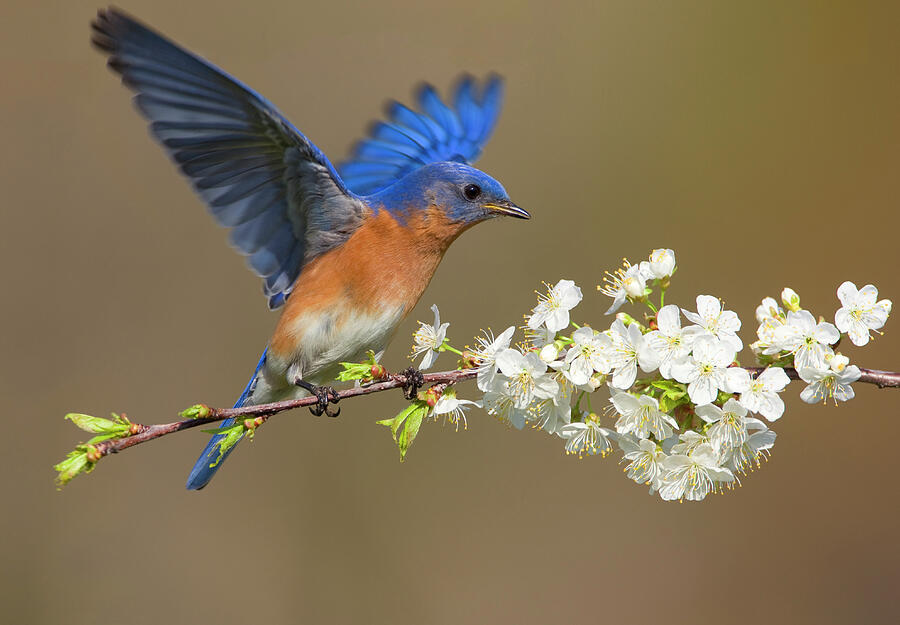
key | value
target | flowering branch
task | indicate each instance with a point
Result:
(680, 399)
(881, 379)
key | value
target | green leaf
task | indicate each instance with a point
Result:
(405, 426)
(410, 430)
(671, 389)
(96, 425)
(358, 370)
(666, 404)
(723, 397)
(231, 436)
(74, 465)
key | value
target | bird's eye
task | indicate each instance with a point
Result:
(472, 191)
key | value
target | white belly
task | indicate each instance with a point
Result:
(324, 341)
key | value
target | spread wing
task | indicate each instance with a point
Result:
(410, 140)
(260, 177)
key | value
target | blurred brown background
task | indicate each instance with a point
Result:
(761, 142)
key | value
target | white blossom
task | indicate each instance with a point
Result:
(723, 324)
(824, 383)
(762, 395)
(553, 413)
(688, 442)
(527, 377)
(626, 353)
(661, 264)
(629, 281)
(641, 416)
(770, 317)
(706, 371)
(768, 309)
(728, 424)
(757, 446)
(860, 312)
(807, 340)
(485, 355)
(646, 458)
(587, 437)
(692, 477)
(449, 405)
(670, 342)
(588, 354)
(499, 402)
(428, 339)
(553, 309)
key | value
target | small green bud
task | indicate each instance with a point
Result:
(468, 360)
(250, 426)
(197, 411)
(790, 299)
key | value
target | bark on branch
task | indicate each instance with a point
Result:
(262, 412)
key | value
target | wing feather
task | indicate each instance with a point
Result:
(258, 174)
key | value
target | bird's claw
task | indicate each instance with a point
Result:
(325, 395)
(414, 381)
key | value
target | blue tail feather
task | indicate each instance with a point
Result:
(202, 472)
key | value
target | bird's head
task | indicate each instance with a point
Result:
(463, 194)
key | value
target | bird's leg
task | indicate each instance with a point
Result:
(414, 381)
(325, 395)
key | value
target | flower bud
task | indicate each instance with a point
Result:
(197, 411)
(430, 396)
(549, 353)
(93, 454)
(662, 263)
(839, 362)
(790, 299)
(597, 380)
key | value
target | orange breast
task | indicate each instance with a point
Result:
(384, 264)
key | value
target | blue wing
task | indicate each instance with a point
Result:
(438, 133)
(282, 199)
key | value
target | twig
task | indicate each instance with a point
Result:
(260, 413)
(881, 379)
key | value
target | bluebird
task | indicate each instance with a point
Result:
(345, 252)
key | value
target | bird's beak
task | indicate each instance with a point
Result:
(506, 207)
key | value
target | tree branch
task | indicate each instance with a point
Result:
(261, 413)
(881, 379)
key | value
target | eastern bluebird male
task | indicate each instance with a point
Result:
(347, 255)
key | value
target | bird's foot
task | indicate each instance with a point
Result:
(414, 381)
(325, 396)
